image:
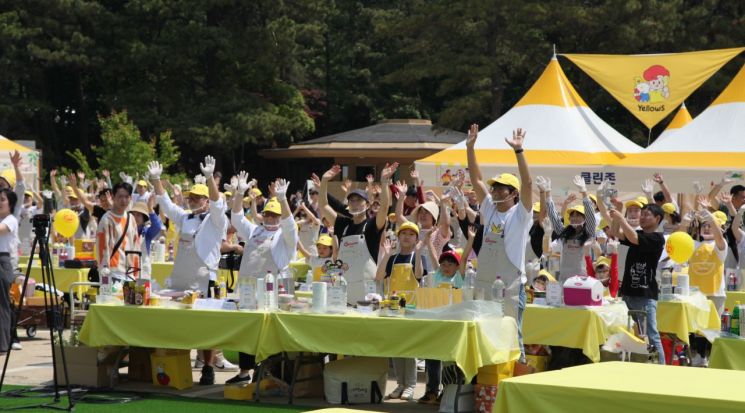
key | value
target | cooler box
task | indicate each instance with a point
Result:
(358, 380)
(583, 290)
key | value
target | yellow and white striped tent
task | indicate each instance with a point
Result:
(564, 138)
(681, 118)
(710, 146)
(29, 161)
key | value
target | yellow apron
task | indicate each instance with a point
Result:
(402, 277)
(706, 269)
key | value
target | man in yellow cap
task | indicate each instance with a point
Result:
(505, 211)
(269, 247)
(201, 233)
(141, 193)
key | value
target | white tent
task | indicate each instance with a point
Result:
(564, 138)
(710, 146)
(681, 118)
(29, 161)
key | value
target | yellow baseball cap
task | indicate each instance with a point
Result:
(547, 275)
(505, 179)
(272, 206)
(668, 207)
(199, 190)
(601, 261)
(29, 193)
(536, 207)
(634, 202)
(325, 240)
(228, 193)
(141, 182)
(603, 223)
(256, 192)
(720, 217)
(408, 225)
(577, 208)
(10, 176)
(392, 217)
(594, 198)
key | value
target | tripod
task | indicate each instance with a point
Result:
(52, 310)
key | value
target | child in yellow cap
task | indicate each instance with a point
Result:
(325, 251)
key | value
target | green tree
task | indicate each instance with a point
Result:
(124, 150)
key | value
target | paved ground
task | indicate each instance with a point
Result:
(33, 366)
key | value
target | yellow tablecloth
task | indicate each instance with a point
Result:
(471, 344)
(728, 353)
(733, 296)
(172, 328)
(63, 277)
(567, 327)
(616, 387)
(464, 342)
(682, 318)
(23, 259)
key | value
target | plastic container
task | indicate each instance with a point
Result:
(497, 290)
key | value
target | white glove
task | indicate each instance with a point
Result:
(697, 187)
(208, 167)
(63, 180)
(579, 182)
(47, 194)
(155, 169)
(125, 178)
(232, 186)
(548, 227)
(612, 246)
(726, 179)
(200, 179)
(85, 184)
(603, 185)
(648, 186)
(242, 184)
(280, 189)
(544, 184)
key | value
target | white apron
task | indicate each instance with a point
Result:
(188, 269)
(361, 266)
(572, 260)
(259, 259)
(493, 261)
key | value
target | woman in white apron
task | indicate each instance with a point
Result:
(201, 232)
(8, 237)
(358, 236)
(581, 228)
(269, 247)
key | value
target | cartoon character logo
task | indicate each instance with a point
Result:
(652, 87)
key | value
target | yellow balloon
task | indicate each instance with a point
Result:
(66, 222)
(679, 247)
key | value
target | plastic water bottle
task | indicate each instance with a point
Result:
(105, 278)
(308, 280)
(271, 296)
(497, 290)
(469, 283)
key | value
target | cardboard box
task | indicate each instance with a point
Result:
(171, 368)
(495, 373)
(539, 363)
(313, 387)
(140, 368)
(88, 366)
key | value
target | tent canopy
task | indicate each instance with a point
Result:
(564, 137)
(705, 149)
(29, 161)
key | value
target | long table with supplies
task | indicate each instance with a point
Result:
(470, 344)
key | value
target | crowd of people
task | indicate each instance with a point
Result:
(392, 233)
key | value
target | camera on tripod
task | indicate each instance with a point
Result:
(41, 221)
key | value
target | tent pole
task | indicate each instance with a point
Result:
(649, 137)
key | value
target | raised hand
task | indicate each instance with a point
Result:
(47, 194)
(579, 183)
(316, 180)
(548, 227)
(15, 159)
(657, 177)
(200, 179)
(648, 186)
(473, 133)
(602, 187)
(280, 188)
(53, 173)
(155, 169)
(387, 246)
(704, 202)
(232, 187)
(370, 179)
(125, 178)
(331, 173)
(543, 183)
(570, 198)
(63, 180)
(388, 171)
(106, 173)
(401, 188)
(472, 230)
(81, 175)
(242, 182)
(616, 204)
(208, 167)
(518, 138)
(697, 187)
(346, 185)
(726, 179)
(612, 246)
(587, 247)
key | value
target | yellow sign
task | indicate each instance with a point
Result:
(652, 86)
